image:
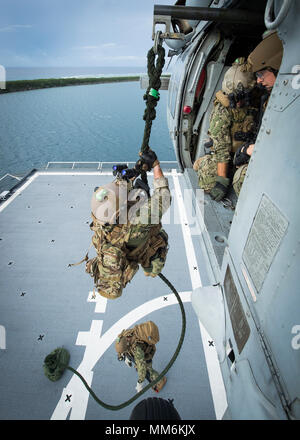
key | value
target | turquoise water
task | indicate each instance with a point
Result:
(101, 122)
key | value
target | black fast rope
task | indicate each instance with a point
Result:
(152, 95)
(57, 361)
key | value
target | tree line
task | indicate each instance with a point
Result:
(31, 84)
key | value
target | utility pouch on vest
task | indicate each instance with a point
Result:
(146, 335)
(111, 271)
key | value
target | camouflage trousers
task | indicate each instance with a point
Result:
(151, 374)
(206, 168)
(147, 371)
(158, 260)
(239, 177)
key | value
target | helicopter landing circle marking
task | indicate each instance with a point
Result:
(96, 346)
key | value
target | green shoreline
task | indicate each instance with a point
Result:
(33, 84)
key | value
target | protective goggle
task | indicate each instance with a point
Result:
(260, 74)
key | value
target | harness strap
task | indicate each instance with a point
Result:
(84, 259)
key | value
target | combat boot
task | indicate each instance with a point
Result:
(159, 385)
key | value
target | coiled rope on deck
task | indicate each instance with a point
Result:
(57, 361)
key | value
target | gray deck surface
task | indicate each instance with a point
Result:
(45, 304)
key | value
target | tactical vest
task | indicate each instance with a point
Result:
(146, 335)
(243, 119)
(117, 262)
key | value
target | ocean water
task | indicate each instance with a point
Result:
(100, 122)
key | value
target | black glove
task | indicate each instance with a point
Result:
(207, 146)
(220, 188)
(241, 155)
(148, 160)
(140, 184)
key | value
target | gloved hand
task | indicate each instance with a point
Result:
(139, 387)
(207, 146)
(220, 188)
(148, 160)
(128, 362)
(241, 155)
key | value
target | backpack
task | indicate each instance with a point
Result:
(115, 265)
(111, 269)
(146, 334)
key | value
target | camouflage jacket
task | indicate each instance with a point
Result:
(224, 122)
(143, 216)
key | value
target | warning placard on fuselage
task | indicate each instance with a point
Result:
(266, 233)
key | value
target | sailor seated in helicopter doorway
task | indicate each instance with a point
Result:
(264, 61)
(233, 116)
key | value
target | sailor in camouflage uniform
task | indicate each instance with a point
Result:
(265, 62)
(231, 114)
(128, 231)
(132, 350)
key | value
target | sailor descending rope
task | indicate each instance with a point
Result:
(121, 243)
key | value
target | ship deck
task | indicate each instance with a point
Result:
(44, 304)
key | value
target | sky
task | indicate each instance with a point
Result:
(64, 33)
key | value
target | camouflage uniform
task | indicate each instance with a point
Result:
(143, 367)
(227, 118)
(267, 54)
(240, 173)
(224, 122)
(142, 220)
(238, 178)
(132, 347)
(122, 246)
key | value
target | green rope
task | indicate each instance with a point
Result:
(57, 361)
(152, 96)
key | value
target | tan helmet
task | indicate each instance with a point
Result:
(268, 53)
(236, 78)
(108, 200)
(121, 345)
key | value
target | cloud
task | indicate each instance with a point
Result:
(15, 27)
(105, 45)
(85, 47)
(125, 58)
(101, 46)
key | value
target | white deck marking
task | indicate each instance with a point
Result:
(18, 192)
(100, 301)
(96, 346)
(59, 173)
(211, 357)
(2, 337)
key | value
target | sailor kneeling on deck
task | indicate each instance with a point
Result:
(127, 230)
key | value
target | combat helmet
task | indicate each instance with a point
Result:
(237, 79)
(111, 202)
(121, 346)
(268, 53)
(108, 199)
